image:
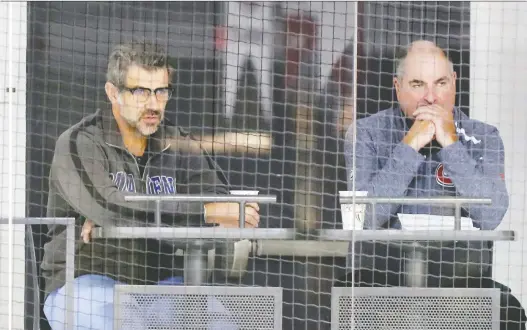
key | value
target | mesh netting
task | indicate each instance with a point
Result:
(282, 98)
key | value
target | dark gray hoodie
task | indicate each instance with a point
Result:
(90, 175)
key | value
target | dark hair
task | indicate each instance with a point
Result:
(145, 54)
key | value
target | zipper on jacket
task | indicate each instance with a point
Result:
(135, 160)
(149, 159)
(129, 153)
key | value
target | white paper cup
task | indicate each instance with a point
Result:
(351, 221)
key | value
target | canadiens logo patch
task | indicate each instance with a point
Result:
(442, 177)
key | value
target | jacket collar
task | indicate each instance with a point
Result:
(112, 136)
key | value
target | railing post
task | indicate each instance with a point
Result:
(373, 212)
(69, 315)
(416, 266)
(242, 214)
(158, 213)
(70, 275)
(457, 218)
(194, 261)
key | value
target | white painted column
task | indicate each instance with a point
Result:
(13, 41)
(498, 96)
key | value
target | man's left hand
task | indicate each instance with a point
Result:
(228, 214)
(86, 232)
(443, 121)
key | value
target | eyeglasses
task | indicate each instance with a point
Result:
(142, 94)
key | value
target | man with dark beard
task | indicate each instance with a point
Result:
(104, 158)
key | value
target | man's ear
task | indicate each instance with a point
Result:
(111, 92)
(397, 85)
(454, 78)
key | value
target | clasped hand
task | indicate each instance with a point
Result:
(431, 122)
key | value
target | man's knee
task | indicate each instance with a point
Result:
(92, 304)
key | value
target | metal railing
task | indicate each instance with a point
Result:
(241, 199)
(332, 235)
(414, 253)
(196, 249)
(196, 240)
(70, 257)
(201, 238)
(453, 201)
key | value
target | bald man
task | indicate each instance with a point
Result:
(427, 147)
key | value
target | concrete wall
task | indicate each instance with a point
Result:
(498, 96)
(13, 20)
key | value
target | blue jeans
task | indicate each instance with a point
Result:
(93, 307)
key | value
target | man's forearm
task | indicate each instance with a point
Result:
(218, 212)
(470, 181)
(391, 181)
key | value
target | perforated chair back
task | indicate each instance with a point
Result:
(405, 308)
(197, 307)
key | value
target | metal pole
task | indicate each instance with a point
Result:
(242, 214)
(415, 266)
(39, 221)
(195, 269)
(70, 275)
(271, 234)
(373, 212)
(415, 200)
(158, 213)
(10, 163)
(70, 257)
(457, 218)
(210, 198)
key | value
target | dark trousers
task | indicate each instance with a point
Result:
(512, 314)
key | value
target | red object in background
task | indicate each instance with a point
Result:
(220, 37)
(342, 73)
(300, 35)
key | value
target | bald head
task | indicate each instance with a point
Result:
(425, 76)
(418, 49)
(424, 45)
